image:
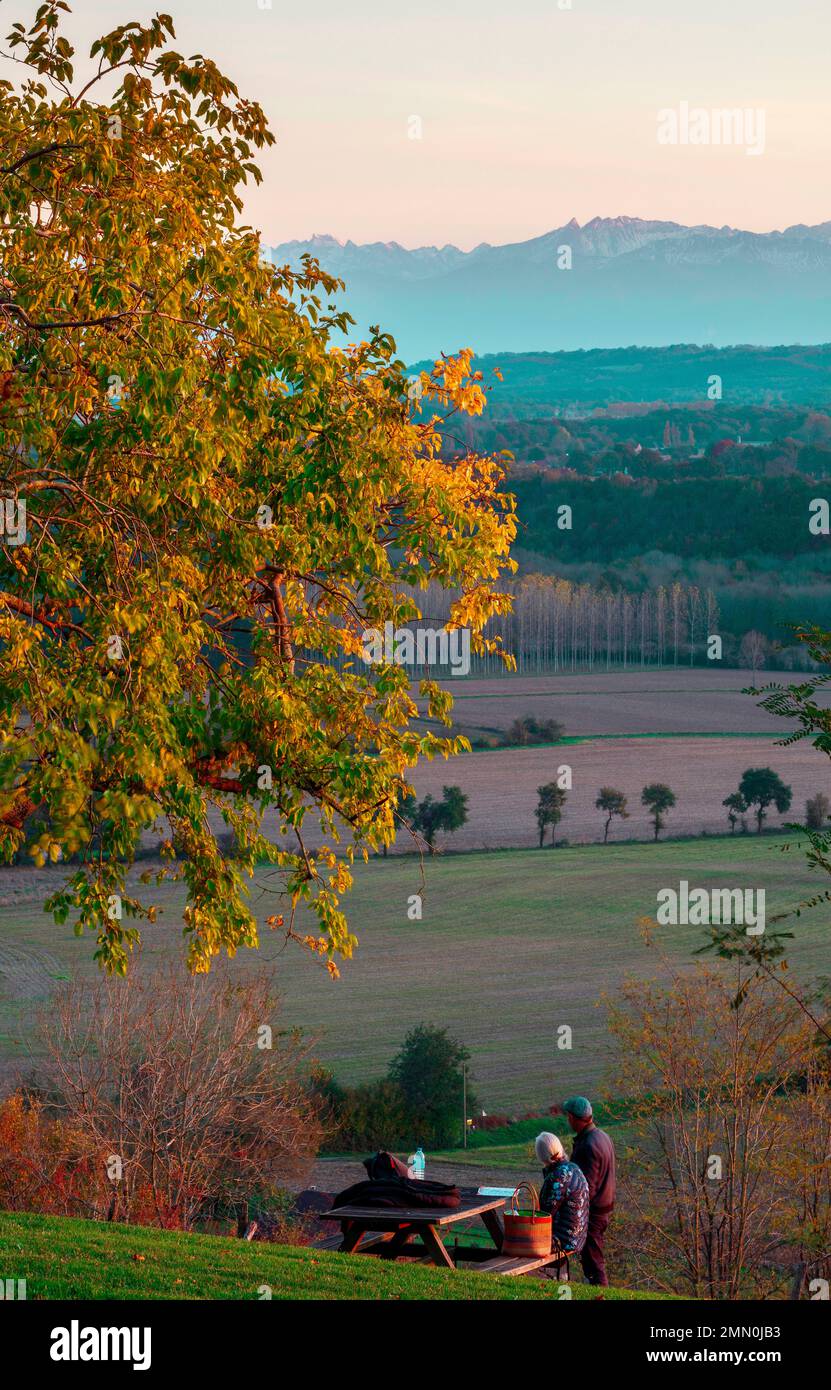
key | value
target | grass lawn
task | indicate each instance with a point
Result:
(61, 1258)
(512, 944)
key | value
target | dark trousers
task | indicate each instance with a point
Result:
(591, 1256)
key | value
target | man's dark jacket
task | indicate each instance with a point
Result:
(594, 1153)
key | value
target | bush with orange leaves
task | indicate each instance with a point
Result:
(45, 1164)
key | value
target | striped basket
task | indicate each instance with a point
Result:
(527, 1229)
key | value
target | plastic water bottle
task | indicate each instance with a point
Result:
(419, 1163)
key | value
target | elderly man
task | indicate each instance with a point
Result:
(594, 1154)
(564, 1194)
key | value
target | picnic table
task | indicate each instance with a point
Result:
(389, 1233)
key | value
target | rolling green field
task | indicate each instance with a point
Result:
(512, 945)
(61, 1258)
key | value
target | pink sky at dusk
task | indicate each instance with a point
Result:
(531, 113)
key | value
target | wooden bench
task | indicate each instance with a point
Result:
(368, 1239)
(522, 1264)
(328, 1242)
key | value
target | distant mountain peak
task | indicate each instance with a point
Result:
(627, 280)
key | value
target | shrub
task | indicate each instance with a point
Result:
(528, 731)
(490, 1122)
(428, 1071)
(373, 1116)
(45, 1166)
(419, 1101)
(817, 811)
(174, 1091)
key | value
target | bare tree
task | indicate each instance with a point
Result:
(817, 811)
(729, 1175)
(554, 623)
(184, 1088)
(754, 650)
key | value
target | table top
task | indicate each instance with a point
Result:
(470, 1205)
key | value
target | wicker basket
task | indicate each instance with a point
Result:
(527, 1229)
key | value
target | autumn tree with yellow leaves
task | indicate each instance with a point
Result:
(200, 490)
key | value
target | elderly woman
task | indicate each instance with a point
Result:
(564, 1193)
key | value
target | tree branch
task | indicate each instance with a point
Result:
(37, 154)
(67, 323)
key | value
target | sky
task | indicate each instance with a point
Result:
(525, 113)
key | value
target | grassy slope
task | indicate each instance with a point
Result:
(512, 944)
(62, 1258)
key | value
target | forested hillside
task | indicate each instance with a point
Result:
(792, 374)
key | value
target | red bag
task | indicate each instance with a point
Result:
(527, 1229)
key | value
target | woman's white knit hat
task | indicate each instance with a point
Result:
(548, 1148)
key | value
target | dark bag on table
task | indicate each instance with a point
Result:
(388, 1187)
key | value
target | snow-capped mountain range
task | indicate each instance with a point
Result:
(610, 283)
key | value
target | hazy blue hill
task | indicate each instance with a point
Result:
(632, 281)
(536, 382)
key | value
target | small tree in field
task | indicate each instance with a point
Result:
(754, 650)
(549, 810)
(455, 808)
(428, 1072)
(430, 816)
(736, 809)
(614, 804)
(658, 798)
(761, 787)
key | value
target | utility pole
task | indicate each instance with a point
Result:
(464, 1104)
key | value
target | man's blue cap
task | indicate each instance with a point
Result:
(579, 1107)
